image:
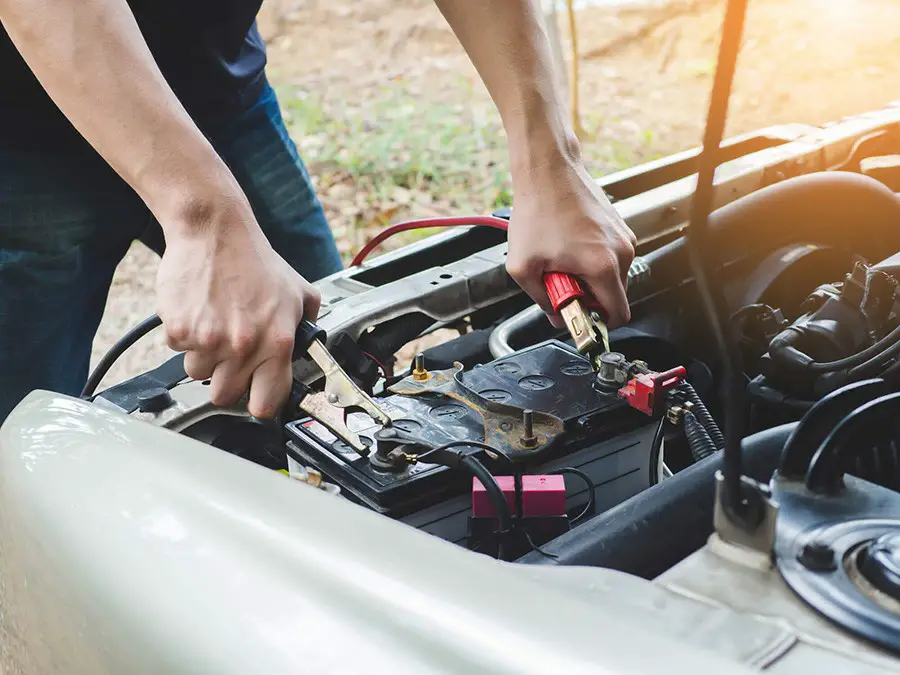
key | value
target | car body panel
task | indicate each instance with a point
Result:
(130, 548)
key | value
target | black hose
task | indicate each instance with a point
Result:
(888, 342)
(703, 416)
(119, 348)
(873, 365)
(892, 374)
(699, 442)
(737, 509)
(501, 506)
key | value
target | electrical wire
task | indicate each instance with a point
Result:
(492, 487)
(710, 290)
(381, 366)
(656, 446)
(535, 547)
(116, 351)
(425, 223)
(458, 444)
(592, 489)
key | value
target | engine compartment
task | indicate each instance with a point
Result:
(799, 270)
(146, 530)
(503, 439)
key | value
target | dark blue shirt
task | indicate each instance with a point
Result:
(209, 51)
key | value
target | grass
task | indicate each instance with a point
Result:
(393, 156)
(394, 141)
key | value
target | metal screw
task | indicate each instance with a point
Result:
(528, 440)
(333, 398)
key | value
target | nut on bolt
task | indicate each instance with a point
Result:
(817, 557)
(528, 439)
(674, 414)
(420, 373)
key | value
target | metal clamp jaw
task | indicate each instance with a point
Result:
(583, 320)
(341, 392)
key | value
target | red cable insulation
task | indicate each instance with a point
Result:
(453, 221)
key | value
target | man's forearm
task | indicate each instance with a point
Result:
(508, 45)
(92, 60)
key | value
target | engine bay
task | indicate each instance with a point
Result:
(504, 438)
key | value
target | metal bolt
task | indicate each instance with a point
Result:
(817, 557)
(528, 440)
(420, 374)
(333, 398)
(612, 369)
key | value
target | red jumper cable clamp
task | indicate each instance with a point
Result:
(580, 314)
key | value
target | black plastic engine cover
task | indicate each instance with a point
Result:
(549, 377)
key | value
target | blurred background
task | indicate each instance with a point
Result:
(393, 122)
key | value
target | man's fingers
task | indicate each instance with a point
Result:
(556, 321)
(230, 380)
(538, 293)
(609, 291)
(199, 365)
(312, 302)
(177, 333)
(530, 277)
(270, 387)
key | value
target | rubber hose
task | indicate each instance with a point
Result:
(875, 351)
(700, 443)
(892, 374)
(703, 416)
(873, 365)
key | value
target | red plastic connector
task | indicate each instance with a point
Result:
(482, 507)
(542, 496)
(562, 289)
(644, 391)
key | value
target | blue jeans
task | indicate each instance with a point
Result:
(66, 221)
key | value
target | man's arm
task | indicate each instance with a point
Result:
(92, 60)
(561, 221)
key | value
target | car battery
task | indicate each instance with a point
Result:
(602, 436)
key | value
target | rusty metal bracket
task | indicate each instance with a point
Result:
(506, 427)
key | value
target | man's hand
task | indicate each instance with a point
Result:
(233, 304)
(562, 222)
(225, 297)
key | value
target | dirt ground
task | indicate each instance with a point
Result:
(644, 85)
